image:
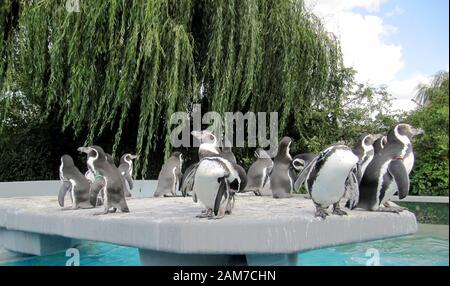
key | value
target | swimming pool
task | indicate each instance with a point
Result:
(430, 246)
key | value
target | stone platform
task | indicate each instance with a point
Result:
(261, 230)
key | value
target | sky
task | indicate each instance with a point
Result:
(397, 43)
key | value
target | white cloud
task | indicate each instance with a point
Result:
(407, 89)
(362, 37)
(397, 11)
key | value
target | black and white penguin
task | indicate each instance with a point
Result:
(75, 183)
(114, 195)
(216, 181)
(258, 176)
(209, 147)
(300, 161)
(326, 176)
(126, 170)
(378, 145)
(282, 175)
(387, 173)
(170, 175)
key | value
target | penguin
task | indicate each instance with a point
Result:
(114, 195)
(300, 161)
(282, 177)
(326, 176)
(170, 175)
(378, 145)
(216, 179)
(126, 169)
(364, 150)
(98, 183)
(387, 173)
(209, 147)
(259, 174)
(74, 182)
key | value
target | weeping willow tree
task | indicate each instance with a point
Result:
(122, 67)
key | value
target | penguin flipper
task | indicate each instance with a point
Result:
(128, 178)
(352, 189)
(220, 193)
(301, 178)
(66, 186)
(398, 172)
(187, 182)
(96, 186)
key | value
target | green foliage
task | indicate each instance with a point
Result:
(119, 69)
(430, 173)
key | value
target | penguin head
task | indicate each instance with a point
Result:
(370, 139)
(67, 161)
(379, 143)
(403, 130)
(205, 136)
(127, 157)
(177, 154)
(284, 147)
(298, 164)
(93, 151)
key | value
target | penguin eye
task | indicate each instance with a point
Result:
(211, 137)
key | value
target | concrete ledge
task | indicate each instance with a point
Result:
(34, 243)
(142, 188)
(259, 225)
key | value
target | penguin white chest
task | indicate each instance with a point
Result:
(206, 182)
(408, 162)
(329, 185)
(365, 163)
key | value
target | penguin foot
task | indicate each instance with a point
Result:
(339, 212)
(113, 210)
(205, 214)
(321, 213)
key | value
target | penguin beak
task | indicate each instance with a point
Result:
(84, 149)
(197, 134)
(418, 131)
(133, 157)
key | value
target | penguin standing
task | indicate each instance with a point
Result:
(98, 183)
(258, 175)
(209, 147)
(170, 175)
(114, 195)
(282, 177)
(387, 173)
(216, 181)
(325, 178)
(126, 169)
(74, 182)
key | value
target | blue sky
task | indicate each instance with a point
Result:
(398, 43)
(423, 31)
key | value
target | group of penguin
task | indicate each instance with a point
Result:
(103, 184)
(366, 176)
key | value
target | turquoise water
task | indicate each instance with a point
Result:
(430, 246)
